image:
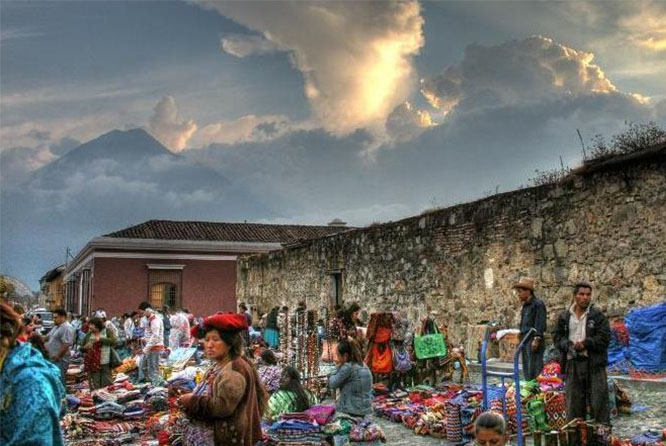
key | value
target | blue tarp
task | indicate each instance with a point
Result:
(647, 337)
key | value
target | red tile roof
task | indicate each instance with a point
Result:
(227, 232)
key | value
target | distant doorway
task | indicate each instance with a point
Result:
(336, 289)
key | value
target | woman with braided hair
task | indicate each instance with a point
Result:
(30, 389)
(291, 396)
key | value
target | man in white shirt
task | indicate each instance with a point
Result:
(582, 335)
(180, 330)
(154, 343)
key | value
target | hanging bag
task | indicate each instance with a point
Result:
(329, 350)
(381, 359)
(401, 359)
(430, 345)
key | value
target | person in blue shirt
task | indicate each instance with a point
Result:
(31, 390)
(354, 380)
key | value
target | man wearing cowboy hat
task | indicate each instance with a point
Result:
(532, 315)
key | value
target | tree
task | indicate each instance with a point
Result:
(7, 289)
(637, 137)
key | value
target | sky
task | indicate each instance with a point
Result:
(365, 111)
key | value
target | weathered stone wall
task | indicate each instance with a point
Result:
(607, 225)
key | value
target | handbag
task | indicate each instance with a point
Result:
(329, 351)
(401, 360)
(430, 345)
(381, 359)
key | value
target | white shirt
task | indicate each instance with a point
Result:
(577, 326)
(129, 328)
(154, 335)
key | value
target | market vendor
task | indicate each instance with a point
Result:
(532, 316)
(290, 397)
(354, 380)
(227, 406)
(490, 430)
(97, 346)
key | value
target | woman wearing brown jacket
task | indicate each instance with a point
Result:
(227, 406)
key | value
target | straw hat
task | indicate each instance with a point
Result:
(525, 282)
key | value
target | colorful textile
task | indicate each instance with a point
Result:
(556, 410)
(367, 431)
(285, 401)
(454, 431)
(30, 394)
(270, 375)
(198, 433)
(321, 414)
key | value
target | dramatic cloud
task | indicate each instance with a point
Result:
(244, 129)
(646, 28)
(520, 71)
(168, 127)
(355, 57)
(243, 45)
(405, 122)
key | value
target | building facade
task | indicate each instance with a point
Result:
(180, 264)
(52, 287)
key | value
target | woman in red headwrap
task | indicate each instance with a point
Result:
(227, 406)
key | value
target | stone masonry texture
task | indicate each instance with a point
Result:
(605, 225)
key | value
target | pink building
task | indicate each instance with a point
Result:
(188, 264)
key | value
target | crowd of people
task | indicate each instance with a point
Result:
(244, 386)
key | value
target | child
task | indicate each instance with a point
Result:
(490, 430)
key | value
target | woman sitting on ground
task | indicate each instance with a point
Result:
(354, 380)
(226, 407)
(490, 430)
(270, 372)
(97, 345)
(291, 397)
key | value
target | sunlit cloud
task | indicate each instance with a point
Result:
(355, 57)
(169, 127)
(518, 71)
(406, 122)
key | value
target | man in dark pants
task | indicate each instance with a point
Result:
(532, 315)
(582, 335)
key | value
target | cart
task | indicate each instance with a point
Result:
(515, 375)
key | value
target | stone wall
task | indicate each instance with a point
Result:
(605, 223)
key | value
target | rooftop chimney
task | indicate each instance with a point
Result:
(337, 223)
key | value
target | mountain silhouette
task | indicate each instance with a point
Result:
(115, 180)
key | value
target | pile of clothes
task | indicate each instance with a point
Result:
(295, 429)
(113, 415)
(448, 412)
(321, 426)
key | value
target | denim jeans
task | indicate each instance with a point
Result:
(149, 368)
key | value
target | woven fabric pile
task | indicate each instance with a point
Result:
(113, 415)
(295, 429)
(448, 412)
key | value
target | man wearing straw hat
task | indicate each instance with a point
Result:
(532, 315)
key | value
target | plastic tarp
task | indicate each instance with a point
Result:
(647, 338)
